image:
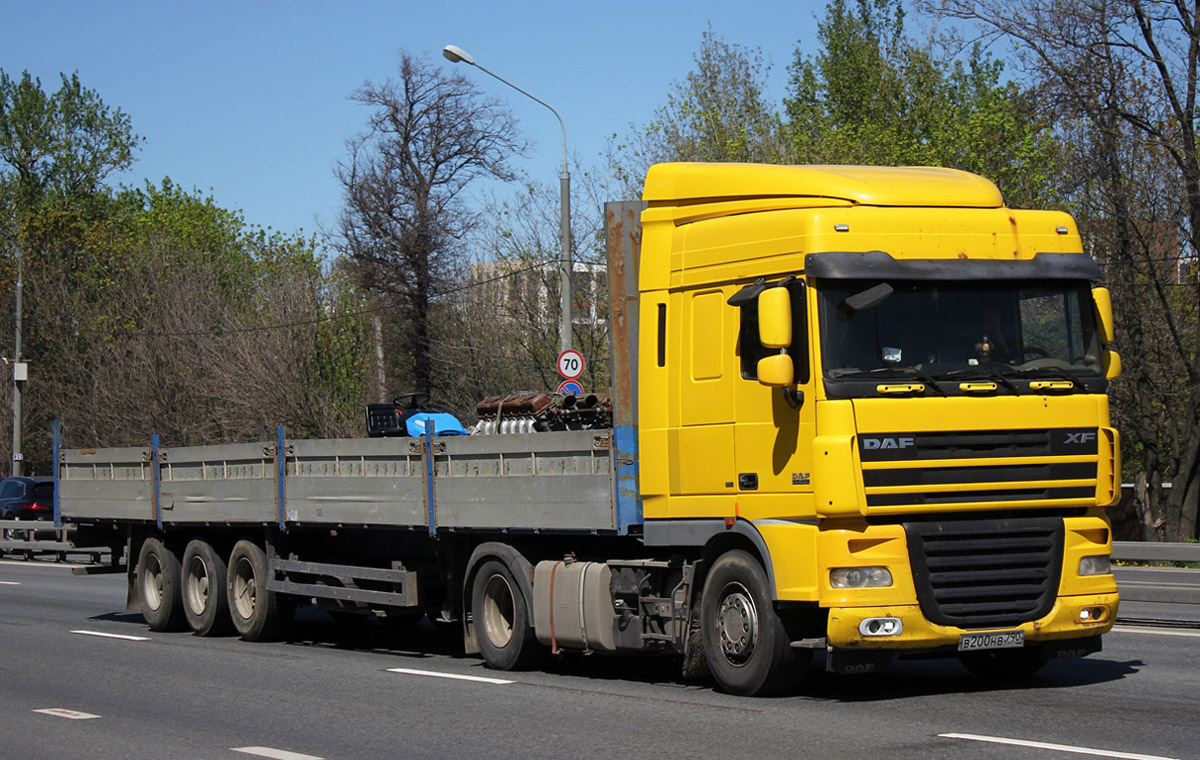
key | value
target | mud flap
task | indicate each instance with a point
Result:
(853, 661)
(1072, 648)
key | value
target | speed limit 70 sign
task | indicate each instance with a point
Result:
(570, 364)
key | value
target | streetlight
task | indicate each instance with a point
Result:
(455, 54)
(19, 376)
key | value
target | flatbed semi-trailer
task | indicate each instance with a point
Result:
(859, 410)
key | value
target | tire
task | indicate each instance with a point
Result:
(158, 580)
(1005, 664)
(205, 591)
(501, 616)
(747, 648)
(257, 614)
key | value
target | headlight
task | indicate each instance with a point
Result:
(860, 577)
(1098, 565)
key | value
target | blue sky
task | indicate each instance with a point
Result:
(248, 100)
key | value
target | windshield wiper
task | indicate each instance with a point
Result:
(979, 373)
(851, 372)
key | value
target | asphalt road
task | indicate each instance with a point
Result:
(331, 692)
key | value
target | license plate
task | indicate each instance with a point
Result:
(970, 642)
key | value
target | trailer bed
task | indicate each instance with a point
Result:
(540, 481)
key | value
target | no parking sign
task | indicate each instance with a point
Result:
(570, 388)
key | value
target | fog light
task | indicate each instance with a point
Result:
(860, 577)
(1098, 565)
(1093, 614)
(885, 626)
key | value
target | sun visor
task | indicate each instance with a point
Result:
(879, 265)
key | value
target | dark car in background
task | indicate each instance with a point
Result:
(24, 498)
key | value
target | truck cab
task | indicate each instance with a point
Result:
(887, 389)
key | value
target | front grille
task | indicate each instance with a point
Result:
(977, 467)
(986, 573)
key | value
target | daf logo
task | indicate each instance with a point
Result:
(1086, 436)
(888, 443)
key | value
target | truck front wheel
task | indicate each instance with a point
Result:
(258, 614)
(158, 586)
(501, 619)
(204, 589)
(745, 643)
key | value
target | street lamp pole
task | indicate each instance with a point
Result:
(455, 54)
(18, 377)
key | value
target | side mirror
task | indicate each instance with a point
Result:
(1112, 365)
(1104, 316)
(776, 371)
(774, 319)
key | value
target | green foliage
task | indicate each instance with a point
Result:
(61, 145)
(719, 112)
(154, 309)
(873, 96)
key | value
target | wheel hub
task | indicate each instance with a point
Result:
(197, 585)
(498, 611)
(152, 583)
(737, 624)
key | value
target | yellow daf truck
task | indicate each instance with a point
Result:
(889, 389)
(855, 411)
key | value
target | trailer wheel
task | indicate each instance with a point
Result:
(204, 590)
(745, 643)
(258, 614)
(158, 586)
(501, 616)
(1005, 664)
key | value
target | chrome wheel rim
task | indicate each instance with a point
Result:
(737, 624)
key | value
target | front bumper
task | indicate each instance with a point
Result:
(919, 635)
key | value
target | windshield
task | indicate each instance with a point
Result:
(947, 329)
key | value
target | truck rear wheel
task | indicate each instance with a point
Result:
(158, 586)
(204, 589)
(745, 643)
(501, 616)
(258, 614)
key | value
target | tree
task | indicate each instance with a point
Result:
(719, 112)
(202, 329)
(56, 151)
(430, 134)
(872, 95)
(1120, 77)
(514, 294)
(62, 145)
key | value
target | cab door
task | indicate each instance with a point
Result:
(775, 425)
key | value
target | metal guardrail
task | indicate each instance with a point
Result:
(1155, 551)
(30, 539)
(1157, 590)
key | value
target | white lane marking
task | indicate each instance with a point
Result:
(277, 754)
(119, 636)
(1155, 631)
(1055, 747)
(9, 583)
(59, 712)
(435, 674)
